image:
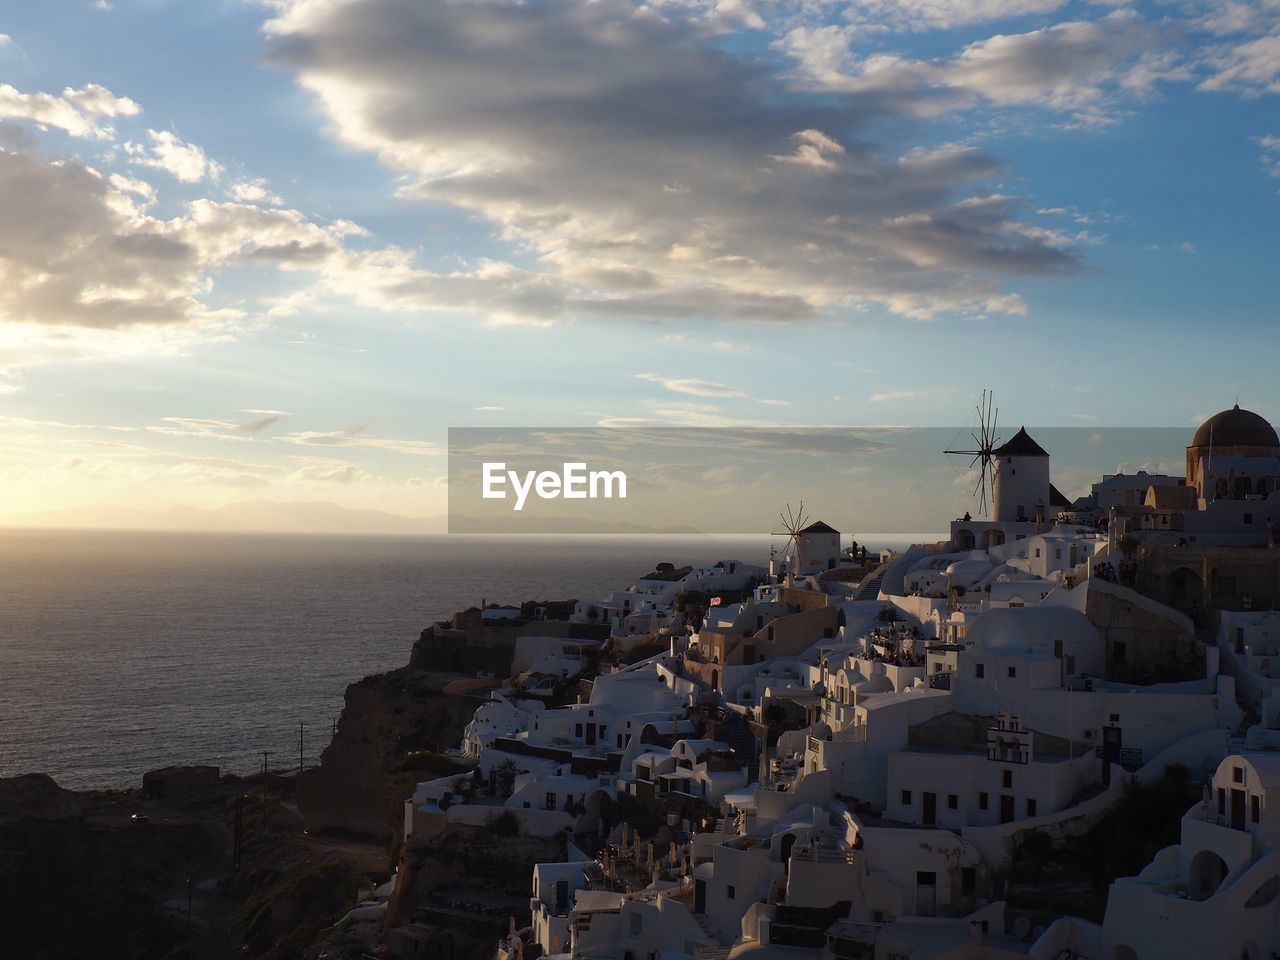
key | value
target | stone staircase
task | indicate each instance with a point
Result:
(893, 580)
(709, 951)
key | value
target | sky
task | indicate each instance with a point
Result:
(273, 251)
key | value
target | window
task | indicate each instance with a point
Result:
(1013, 671)
(906, 798)
(1057, 554)
(729, 891)
(984, 801)
(953, 802)
(1006, 778)
(1248, 518)
(1237, 774)
(979, 670)
(968, 881)
(577, 730)
(1031, 807)
(1115, 718)
(1255, 808)
(1037, 553)
(551, 800)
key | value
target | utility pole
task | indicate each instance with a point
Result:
(265, 754)
(239, 832)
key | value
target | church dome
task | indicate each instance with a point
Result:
(1236, 428)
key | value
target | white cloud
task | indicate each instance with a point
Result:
(254, 191)
(890, 395)
(629, 155)
(490, 408)
(697, 388)
(813, 149)
(80, 250)
(77, 111)
(932, 14)
(1251, 67)
(1079, 67)
(1270, 154)
(166, 151)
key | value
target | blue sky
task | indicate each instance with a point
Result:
(274, 250)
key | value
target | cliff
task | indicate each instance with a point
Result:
(392, 729)
(395, 726)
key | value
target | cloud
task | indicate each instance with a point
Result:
(80, 250)
(1270, 154)
(166, 151)
(78, 112)
(644, 170)
(696, 388)
(207, 427)
(1251, 67)
(892, 395)
(932, 15)
(254, 191)
(490, 408)
(1080, 67)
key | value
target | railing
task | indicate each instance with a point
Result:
(940, 681)
(854, 734)
(1130, 757)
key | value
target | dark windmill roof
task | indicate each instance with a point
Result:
(819, 527)
(1057, 498)
(1021, 445)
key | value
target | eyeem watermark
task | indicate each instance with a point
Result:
(573, 482)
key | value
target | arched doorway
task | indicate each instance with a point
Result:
(992, 538)
(597, 814)
(784, 850)
(964, 540)
(1205, 875)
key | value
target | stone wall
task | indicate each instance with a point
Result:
(1146, 642)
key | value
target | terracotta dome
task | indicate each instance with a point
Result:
(1236, 428)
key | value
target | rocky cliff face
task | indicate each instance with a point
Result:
(395, 725)
(392, 726)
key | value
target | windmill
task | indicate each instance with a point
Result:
(793, 522)
(985, 441)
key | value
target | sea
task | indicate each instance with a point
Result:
(121, 652)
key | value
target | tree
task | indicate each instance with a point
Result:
(505, 776)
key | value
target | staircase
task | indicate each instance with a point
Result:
(892, 581)
(713, 950)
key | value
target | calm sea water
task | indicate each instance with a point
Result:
(120, 652)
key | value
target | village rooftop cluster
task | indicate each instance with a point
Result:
(840, 755)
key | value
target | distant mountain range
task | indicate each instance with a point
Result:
(266, 516)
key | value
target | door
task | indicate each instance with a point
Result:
(926, 893)
(1237, 809)
(1006, 808)
(591, 734)
(930, 809)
